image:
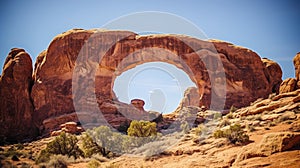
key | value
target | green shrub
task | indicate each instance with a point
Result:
(43, 157)
(58, 161)
(103, 140)
(90, 147)
(142, 129)
(219, 134)
(217, 115)
(140, 133)
(234, 134)
(64, 144)
(224, 122)
(201, 129)
(250, 128)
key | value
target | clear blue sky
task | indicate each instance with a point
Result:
(269, 27)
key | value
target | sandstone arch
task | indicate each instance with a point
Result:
(199, 59)
(246, 76)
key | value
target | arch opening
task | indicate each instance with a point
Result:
(161, 85)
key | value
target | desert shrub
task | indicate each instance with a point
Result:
(90, 147)
(235, 134)
(250, 128)
(217, 115)
(219, 134)
(93, 164)
(224, 122)
(140, 133)
(43, 157)
(185, 127)
(201, 129)
(104, 140)
(64, 144)
(229, 115)
(142, 129)
(12, 151)
(58, 161)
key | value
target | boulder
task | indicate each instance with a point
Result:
(68, 127)
(138, 103)
(278, 142)
(271, 143)
(273, 74)
(16, 109)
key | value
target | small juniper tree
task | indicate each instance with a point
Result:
(142, 129)
(65, 144)
(103, 140)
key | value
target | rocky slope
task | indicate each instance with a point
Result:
(73, 78)
(274, 142)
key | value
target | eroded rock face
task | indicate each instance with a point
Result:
(248, 77)
(16, 109)
(288, 85)
(61, 88)
(273, 73)
(75, 75)
(191, 97)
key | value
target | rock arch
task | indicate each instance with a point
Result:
(199, 59)
(245, 75)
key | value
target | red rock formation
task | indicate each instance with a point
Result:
(73, 78)
(15, 105)
(273, 73)
(288, 85)
(190, 98)
(107, 54)
(248, 77)
(292, 84)
(138, 103)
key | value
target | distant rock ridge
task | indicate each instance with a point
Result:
(33, 100)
